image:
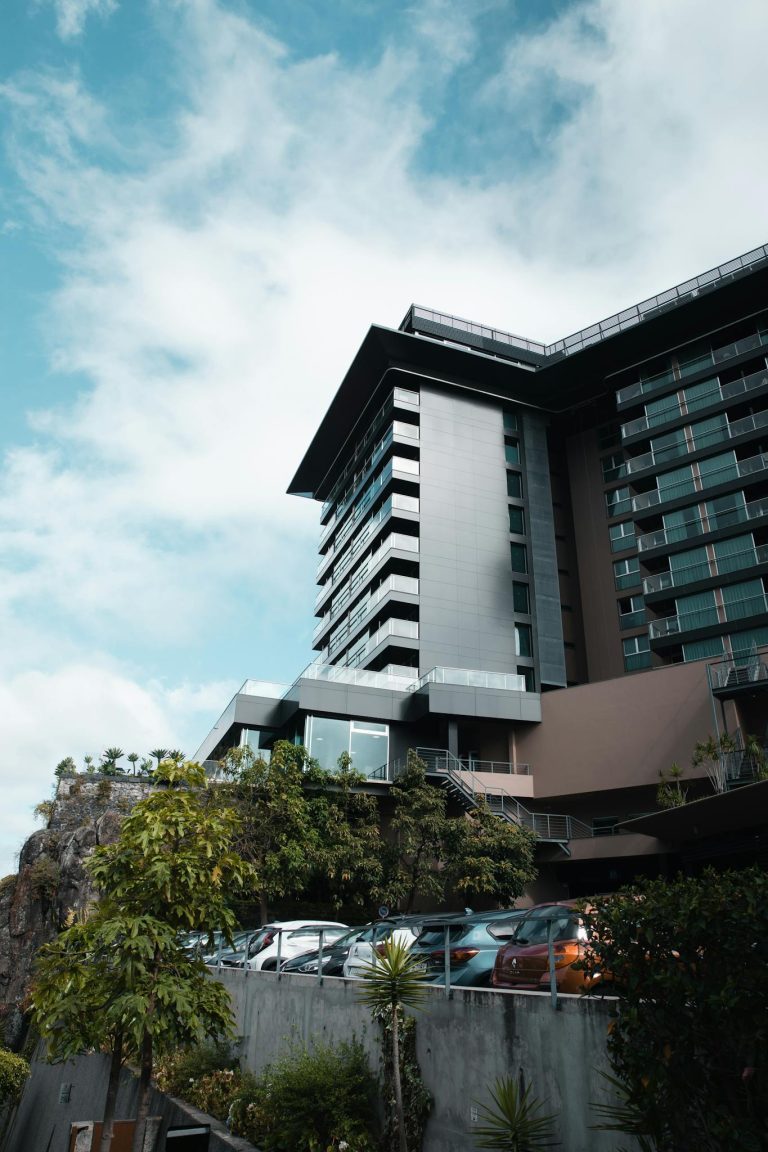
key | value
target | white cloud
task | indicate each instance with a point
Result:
(71, 15)
(217, 279)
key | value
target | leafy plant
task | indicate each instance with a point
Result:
(44, 810)
(395, 980)
(65, 767)
(688, 958)
(516, 1122)
(670, 793)
(312, 1099)
(159, 754)
(44, 877)
(176, 1070)
(14, 1071)
(109, 759)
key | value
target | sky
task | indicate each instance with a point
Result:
(203, 206)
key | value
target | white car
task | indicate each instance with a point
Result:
(361, 953)
(295, 936)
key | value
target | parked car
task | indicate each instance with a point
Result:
(334, 956)
(523, 963)
(404, 929)
(295, 936)
(221, 949)
(473, 942)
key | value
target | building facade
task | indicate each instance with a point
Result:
(546, 566)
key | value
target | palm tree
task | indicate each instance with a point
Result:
(159, 754)
(133, 757)
(175, 754)
(394, 981)
(517, 1123)
(89, 765)
(110, 757)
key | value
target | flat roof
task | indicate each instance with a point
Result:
(554, 378)
(745, 807)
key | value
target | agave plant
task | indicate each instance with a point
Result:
(394, 981)
(517, 1123)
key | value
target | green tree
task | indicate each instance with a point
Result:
(122, 979)
(14, 1071)
(486, 855)
(109, 759)
(159, 754)
(278, 835)
(670, 792)
(346, 821)
(134, 759)
(393, 982)
(65, 767)
(418, 826)
(689, 1041)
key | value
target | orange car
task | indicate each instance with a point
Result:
(523, 963)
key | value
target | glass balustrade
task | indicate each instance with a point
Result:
(701, 526)
(740, 609)
(703, 570)
(731, 470)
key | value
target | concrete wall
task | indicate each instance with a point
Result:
(42, 1123)
(464, 1044)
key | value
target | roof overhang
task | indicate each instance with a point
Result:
(717, 815)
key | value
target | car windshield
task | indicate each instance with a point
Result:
(535, 929)
(330, 932)
(434, 934)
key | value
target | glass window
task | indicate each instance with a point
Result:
(622, 536)
(368, 749)
(637, 653)
(700, 649)
(694, 359)
(516, 519)
(678, 482)
(328, 739)
(696, 611)
(514, 485)
(614, 467)
(744, 643)
(725, 511)
(618, 502)
(520, 598)
(626, 573)
(743, 600)
(669, 446)
(735, 554)
(510, 421)
(523, 645)
(658, 412)
(701, 395)
(631, 612)
(718, 469)
(711, 431)
(512, 452)
(519, 558)
(530, 680)
(682, 524)
(689, 566)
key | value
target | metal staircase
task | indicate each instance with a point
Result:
(472, 792)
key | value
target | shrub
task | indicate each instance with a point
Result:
(103, 790)
(14, 1071)
(310, 1100)
(44, 810)
(175, 1073)
(688, 1042)
(44, 877)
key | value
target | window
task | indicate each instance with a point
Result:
(678, 482)
(682, 524)
(735, 554)
(614, 467)
(631, 612)
(696, 611)
(694, 359)
(514, 485)
(701, 649)
(701, 395)
(626, 573)
(510, 421)
(366, 741)
(637, 653)
(523, 646)
(743, 600)
(659, 412)
(520, 598)
(669, 446)
(622, 536)
(618, 502)
(519, 558)
(512, 452)
(530, 680)
(516, 519)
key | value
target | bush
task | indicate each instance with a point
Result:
(688, 1044)
(44, 810)
(44, 877)
(14, 1071)
(310, 1100)
(175, 1073)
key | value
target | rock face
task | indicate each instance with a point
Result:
(52, 882)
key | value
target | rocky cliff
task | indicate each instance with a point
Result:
(52, 882)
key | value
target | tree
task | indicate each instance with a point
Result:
(121, 979)
(393, 982)
(419, 826)
(109, 759)
(689, 1041)
(134, 759)
(517, 1122)
(277, 834)
(14, 1071)
(175, 754)
(670, 793)
(486, 855)
(65, 767)
(159, 754)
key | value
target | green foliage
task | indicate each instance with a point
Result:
(14, 1071)
(184, 1066)
(417, 1100)
(65, 767)
(670, 793)
(516, 1122)
(395, 979)
(689, 1042)
(44, 810)
(486, 856)
(159, 754)
(44, 877)
(310, 1101)
(419, 825)
(109, 759)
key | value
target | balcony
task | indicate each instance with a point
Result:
(397, 502)
(656, 383)
(702, 526)
(732, 390)
(395, 541)
(742, 609)
(699, 441)
(733, 470)
(472, 678)
(704, 570)
(394, 583)
(403, 629)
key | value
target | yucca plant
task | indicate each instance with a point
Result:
(394, 981)
(516, 1123)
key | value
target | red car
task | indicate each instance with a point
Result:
(523, 963)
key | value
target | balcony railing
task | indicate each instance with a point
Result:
(739, 673)
(664, 379)
(727, 391)
(699, 440)
(704, 569)
(472, 678)
(396, 502)
(706, 617)
(729, 518)
(405, 629)
(733, 470)
(337, 673)
(393, 583)
(396, 540)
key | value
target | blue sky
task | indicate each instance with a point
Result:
(205, 203)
